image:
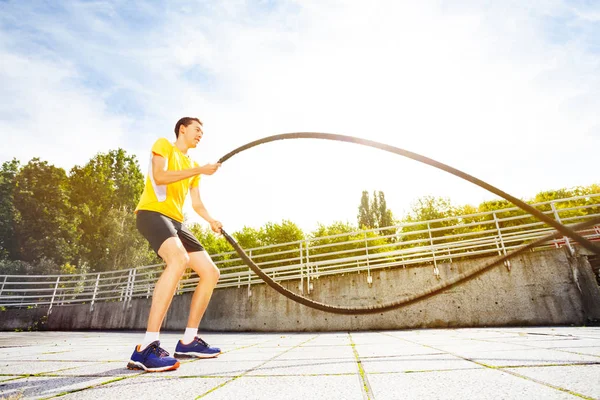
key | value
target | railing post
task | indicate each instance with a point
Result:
(436, 270)
(95, 291)
(369, 277)
(507, 262)
(53, 295)
(301, 286)
(557, 217)
(249, 283)
(308, 287)
(133, 273)
(249, 276)
(307, 251)
(3, 283)
(302, 266)
(126, 295)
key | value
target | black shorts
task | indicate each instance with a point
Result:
(157, 228)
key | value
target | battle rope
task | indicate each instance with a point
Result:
(463, 277)
(396, 150)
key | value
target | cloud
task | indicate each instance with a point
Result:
(507, 92)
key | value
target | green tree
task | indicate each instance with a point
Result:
(125, 246)
(249, 237)
(285, 232)
(365, 214)
(344, 239)
(109, 185)
(373, 213)
(210, 241)
(425, 209)
(8, 174)
(46, 226)
(384, 216)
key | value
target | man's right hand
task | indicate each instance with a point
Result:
(209, 169)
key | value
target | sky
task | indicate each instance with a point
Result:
(506, 91)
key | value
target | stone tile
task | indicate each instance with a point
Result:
(318, 352)
(394, 349)
(214, 367)
(582, 379)
(307, 367)
(251, 354)
(9, 377)
(290, 388)
(41, 387)
(425, 362)
(481, 384)
(110, 369)
(150, 386)
(527, 357)
(27, 367)
(591, 351)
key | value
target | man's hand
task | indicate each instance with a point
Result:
(209, 169)
(216, 226)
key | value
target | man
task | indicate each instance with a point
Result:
(159, 216)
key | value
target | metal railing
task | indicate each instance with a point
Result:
(422, 244)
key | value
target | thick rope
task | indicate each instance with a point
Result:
(409, 154)
(459, 279)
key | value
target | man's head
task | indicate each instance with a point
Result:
(189, 130)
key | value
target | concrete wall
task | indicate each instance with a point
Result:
(542, 288)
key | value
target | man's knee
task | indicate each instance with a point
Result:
(212, 275)
(178, 260)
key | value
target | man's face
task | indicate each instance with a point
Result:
(192, 134)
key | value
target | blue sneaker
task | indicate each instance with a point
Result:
(197, 348)
(152, 359)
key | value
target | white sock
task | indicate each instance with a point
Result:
(149, 338)
(189, 335)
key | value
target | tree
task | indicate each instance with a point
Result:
(323, 243)
(285, 232)
(248, 237)
(211, 243)
(8, 174)
(46, 227)
(365, 214)
(425, 209)
(384, 217)
(374, 213)
(109, 185)
(125, 246)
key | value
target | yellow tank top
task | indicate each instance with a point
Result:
(168, 199)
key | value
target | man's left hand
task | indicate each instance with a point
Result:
(216, 226)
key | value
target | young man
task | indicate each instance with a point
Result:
(172, 174)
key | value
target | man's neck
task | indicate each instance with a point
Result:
(181, 146)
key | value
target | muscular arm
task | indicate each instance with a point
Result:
(199, 206)
(162, 176)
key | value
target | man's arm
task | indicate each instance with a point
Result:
(162, 176)
(201, 210)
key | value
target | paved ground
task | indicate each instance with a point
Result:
(494, 363)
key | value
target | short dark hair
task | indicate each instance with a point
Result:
(185, 121)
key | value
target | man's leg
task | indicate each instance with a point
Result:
(191, 344)
(177, 259)
(208, 272)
